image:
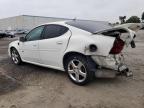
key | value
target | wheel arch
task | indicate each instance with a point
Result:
(88, 57)
(12, 47)
(69, 54)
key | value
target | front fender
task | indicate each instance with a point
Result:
(14, 45)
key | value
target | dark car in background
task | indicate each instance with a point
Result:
(7, 34)
(2, 34)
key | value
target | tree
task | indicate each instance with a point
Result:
(122, 19)
(133, 19)
(142, 17)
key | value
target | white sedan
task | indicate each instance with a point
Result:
(82, 48)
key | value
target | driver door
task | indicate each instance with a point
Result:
(29, 50)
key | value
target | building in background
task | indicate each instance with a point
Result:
(25, 22)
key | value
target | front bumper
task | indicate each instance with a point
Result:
(111, 66)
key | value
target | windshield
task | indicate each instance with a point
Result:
(90, 26)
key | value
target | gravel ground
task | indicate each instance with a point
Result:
(30, 86)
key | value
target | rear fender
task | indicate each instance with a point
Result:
(81, 44)
(126, 35)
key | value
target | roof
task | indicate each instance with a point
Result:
(90, 26)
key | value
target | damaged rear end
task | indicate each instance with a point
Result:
(113, 63)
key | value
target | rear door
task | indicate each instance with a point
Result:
(54, 43)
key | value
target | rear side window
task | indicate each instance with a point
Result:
(52, 31)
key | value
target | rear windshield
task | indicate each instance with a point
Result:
(90, 26)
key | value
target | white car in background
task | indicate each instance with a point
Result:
(82, 48)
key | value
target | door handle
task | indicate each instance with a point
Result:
(59, 42)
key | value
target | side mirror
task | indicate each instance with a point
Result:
(22, 39)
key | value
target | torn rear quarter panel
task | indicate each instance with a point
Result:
(111, 61)
(114, 61)
(125, 34)
(104, 45)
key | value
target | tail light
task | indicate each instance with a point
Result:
(117, 47)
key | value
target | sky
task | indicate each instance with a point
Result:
(101, 10)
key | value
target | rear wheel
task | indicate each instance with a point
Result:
(15, 56)
(78, 69)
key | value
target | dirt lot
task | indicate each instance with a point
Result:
(30, 86)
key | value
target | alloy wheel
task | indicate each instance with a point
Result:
(77, 71)
(15, 56)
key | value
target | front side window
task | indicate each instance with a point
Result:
(53, 30)
(35, 34)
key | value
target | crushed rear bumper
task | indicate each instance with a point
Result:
(111, 66)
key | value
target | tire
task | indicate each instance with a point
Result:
(79, 68)
(15, 57)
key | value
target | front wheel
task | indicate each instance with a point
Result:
(78, 69)
(15, 56)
